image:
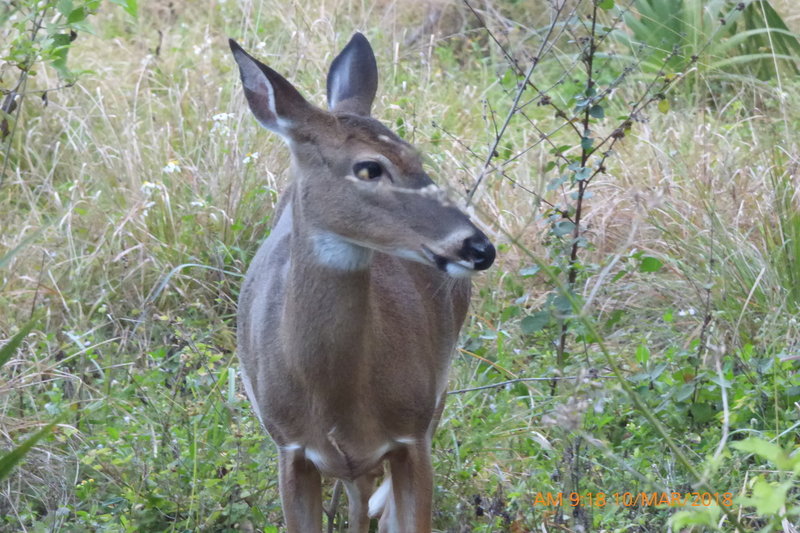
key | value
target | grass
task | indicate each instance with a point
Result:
(138, 200)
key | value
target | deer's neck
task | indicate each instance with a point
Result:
(328, 286)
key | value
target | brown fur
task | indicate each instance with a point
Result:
(345, 347)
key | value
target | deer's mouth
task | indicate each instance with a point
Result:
(457, 268)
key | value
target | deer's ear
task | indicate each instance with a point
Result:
(276, 104)
(353, 78)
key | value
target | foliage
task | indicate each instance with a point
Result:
(139, 197)
(783, 240)
(729, 37)
(11, 458)
(198, 435)
(42, 32)
(39, 33)
(580, 141)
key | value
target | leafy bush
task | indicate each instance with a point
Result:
(727, 37)
(39, 33)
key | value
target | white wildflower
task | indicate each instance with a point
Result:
(222, 129)
(171, 167)
(251, 157)
(148, 187)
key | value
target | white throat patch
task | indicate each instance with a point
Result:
(335, 252)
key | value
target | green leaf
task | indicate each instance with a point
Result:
(642, 354)
(769, 451)
(768, 498)
(131, 7)
(9, 460)
(656, 371)
(77, 15)
(510, 312)
(563, 304)
(529, 271)
(584, 172)
(597, 111)
(587, 143)
(64, 7)
(650, 264)
(702, 412)
(663, 105)
(563, 227)
(702, 516)
(747, 352)
(581, 102)
(577, 194)
(683, 392)
(535, 322)
(606, 4)
(61, 42)
(555, 183)
(614, 319)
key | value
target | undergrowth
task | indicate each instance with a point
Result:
(134, 200)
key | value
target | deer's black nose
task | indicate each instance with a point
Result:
(479, 250)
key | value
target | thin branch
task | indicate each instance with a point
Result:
(502, 166)
(19, 91)
(513, 110)
(520, 380)
(330, 512)
(513, 61)
(588, 54)
(493, 149)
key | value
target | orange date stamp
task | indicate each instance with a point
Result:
(633, 499)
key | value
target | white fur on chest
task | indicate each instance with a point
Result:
(334, 252)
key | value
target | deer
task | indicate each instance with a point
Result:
(350, 310)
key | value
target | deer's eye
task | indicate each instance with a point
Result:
(367, 170)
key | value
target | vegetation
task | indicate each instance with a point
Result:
(635, 349)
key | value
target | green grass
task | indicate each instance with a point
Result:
(134, 204)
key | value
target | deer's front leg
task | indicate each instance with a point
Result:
(301, 492)
(409, 507)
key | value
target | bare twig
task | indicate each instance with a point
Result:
(330, 512)
(513, 109)
(515, 64)
(521, 380)
(495, 168)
